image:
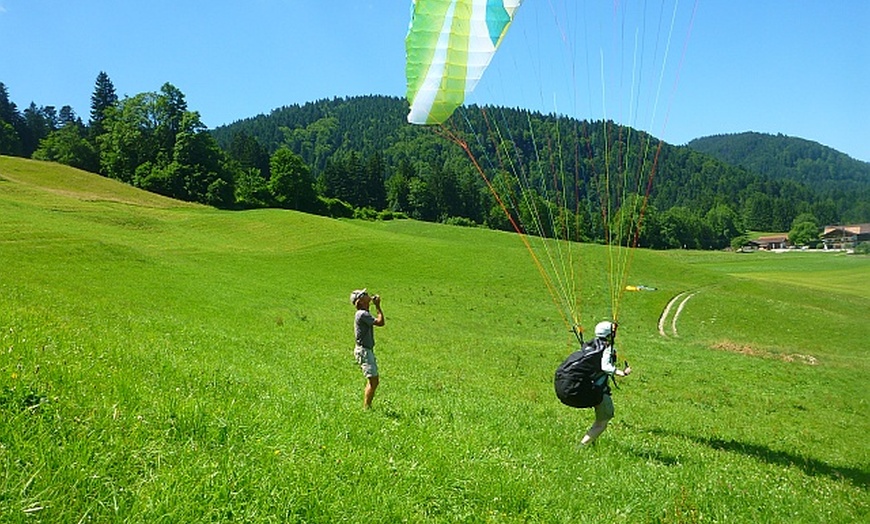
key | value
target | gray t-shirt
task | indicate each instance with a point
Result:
(364, 329)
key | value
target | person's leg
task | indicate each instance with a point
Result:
(369, 395)
(369, 364)
(603, 414)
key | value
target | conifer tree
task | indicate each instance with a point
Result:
(103, 98)
(8, 110)
(10, 141)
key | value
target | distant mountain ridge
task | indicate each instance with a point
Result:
(784, 157)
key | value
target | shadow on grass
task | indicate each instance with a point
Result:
(655, 456)
(812, 467)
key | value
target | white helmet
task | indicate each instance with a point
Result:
(603, 329)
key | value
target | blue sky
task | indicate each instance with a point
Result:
(796, 67)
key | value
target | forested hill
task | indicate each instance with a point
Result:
(786, 157)
(318, 129)
(333, 135)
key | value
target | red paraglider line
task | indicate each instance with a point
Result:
(547, 281)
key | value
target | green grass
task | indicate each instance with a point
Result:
(162, 362)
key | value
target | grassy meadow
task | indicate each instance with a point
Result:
(167, 362)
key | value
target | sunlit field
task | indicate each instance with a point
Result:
(166, 362)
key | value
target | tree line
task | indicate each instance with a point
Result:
(358, 157)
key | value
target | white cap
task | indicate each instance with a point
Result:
(603, 329)
(356, 294)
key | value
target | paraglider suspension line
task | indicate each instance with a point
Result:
(578, 333)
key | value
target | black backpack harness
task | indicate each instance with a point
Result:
(579, 381)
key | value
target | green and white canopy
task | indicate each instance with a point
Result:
(449, 45)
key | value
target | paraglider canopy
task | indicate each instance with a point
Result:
(449, 45)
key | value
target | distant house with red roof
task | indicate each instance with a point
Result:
(845, 237)
(777, 241)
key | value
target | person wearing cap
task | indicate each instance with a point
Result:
(364, 351)
(605, 332)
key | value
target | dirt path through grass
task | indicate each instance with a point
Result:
(682, 298)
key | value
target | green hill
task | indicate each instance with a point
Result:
(168, 362)
(784, 157)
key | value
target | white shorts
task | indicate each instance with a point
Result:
(365, 357)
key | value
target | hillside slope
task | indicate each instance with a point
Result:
(71, 182)
(785, 157)
(166, 362)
